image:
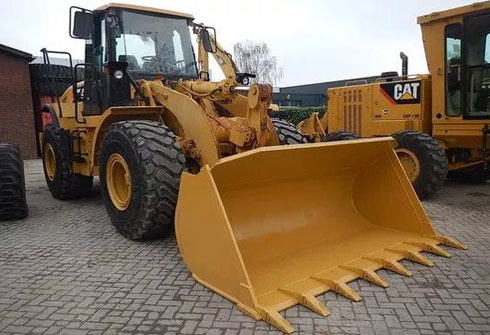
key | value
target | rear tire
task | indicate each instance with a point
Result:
(431, 166)
(154, 163)
(473, 174)
(340, 135)
(287, 133)
(13, 204)
(62, 183)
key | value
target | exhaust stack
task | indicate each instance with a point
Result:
(404, 65)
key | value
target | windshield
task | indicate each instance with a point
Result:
(155, 45)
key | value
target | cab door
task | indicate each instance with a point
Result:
(95, 54)
(476, 67)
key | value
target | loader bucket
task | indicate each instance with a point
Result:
(277, 226)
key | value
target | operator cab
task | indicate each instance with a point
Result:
(457, 46)
(467, 61)
(125, 43)
(153, 42)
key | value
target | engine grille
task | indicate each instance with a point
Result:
(353, 110)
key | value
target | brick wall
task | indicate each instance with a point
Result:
(16, 113)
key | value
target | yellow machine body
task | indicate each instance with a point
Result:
(369, 111)
(421, 102)
(314, 127)
(299, 221)
(210, 119)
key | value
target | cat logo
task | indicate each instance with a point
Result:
(402, 93)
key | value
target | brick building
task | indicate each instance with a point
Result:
(16, 113)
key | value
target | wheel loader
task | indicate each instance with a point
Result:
(441, 120)
(266, 225)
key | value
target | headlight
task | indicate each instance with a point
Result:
(118, 74)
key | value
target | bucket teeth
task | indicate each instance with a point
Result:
(391, 265)
(449, 241)
(368, 275)
(413, 256)
(274, 318)
(340, 288)
(308, 300)
(432, 248)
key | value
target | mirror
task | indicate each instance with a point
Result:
(82, 25)
(207, 41)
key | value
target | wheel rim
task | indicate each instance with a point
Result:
(410, 163)
(118, 180)
(50, 161)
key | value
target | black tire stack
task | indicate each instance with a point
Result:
(13, 204)
(50, 80)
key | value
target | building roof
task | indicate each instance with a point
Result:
(15, 52)
(146, 9)
(453, 12)
(56, 61)
(321, 88)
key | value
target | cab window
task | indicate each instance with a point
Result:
(487, 49)
(477, 65)
(454, 34)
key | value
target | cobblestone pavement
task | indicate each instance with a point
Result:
(65, 270)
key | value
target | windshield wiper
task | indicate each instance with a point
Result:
(173, 74)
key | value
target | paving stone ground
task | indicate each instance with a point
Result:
(65, 270)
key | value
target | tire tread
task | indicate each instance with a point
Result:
(13, 204)
(162, 163)
(72, 185)
(435, 167)
(287, 133)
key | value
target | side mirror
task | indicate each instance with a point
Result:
(207, 42)
(82, 23)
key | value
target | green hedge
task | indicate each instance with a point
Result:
(295, 115)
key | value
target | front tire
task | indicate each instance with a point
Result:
(62, 182)
(424, 161)
(287, 133)
(13, 204)
(140, 167)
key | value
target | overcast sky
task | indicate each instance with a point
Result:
(313, 40)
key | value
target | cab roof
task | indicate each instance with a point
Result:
(436, 16)
(146, 9)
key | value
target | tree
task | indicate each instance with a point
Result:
(255, 58)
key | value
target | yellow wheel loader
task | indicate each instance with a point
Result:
(264, 225)
(440, 121)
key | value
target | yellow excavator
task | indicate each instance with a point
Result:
(264, 225)
(440, 121)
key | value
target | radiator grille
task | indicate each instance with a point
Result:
(353, 111)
